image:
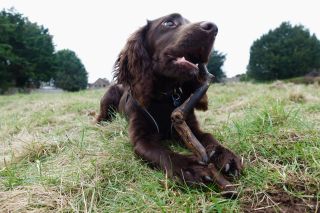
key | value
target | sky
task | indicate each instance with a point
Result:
(98, 29)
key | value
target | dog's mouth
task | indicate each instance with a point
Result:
(185, 62)
(188, 61)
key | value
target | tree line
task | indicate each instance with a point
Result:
(28, 56)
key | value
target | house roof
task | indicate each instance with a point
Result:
(101, 81)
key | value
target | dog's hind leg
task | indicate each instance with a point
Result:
(109, 103)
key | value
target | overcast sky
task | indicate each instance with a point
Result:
(97, 30)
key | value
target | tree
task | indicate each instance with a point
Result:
(26, 51)
(214, 65)
(71, 75)
(285, 52)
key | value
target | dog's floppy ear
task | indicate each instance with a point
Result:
(133, 66)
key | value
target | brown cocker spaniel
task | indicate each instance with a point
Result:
(155, 72)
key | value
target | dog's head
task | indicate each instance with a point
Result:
(169, 46)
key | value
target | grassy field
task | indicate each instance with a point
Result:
(52, 158)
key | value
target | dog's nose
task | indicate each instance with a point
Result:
(209, 27)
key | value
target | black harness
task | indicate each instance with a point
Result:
(174, 96)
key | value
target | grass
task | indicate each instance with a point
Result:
(53, 159)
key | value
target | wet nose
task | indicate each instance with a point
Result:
(209, 27)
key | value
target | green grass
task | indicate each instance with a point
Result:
(52, 158)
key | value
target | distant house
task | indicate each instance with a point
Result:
(100, 83)
(233, 79)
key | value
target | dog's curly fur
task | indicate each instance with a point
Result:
(157, 60)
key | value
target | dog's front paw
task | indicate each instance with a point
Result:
(193, 172)
(226, 161)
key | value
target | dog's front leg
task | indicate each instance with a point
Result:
(223, 158)
(147, 145)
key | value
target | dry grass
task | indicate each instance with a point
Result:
(297, 97)
(32, 199)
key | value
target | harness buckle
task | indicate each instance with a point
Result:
(176, 97)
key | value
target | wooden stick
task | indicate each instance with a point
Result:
(179, 115)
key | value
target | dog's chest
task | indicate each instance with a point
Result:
(161, 113)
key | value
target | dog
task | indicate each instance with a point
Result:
(157, 71)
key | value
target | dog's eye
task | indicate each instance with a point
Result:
(168, 24)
